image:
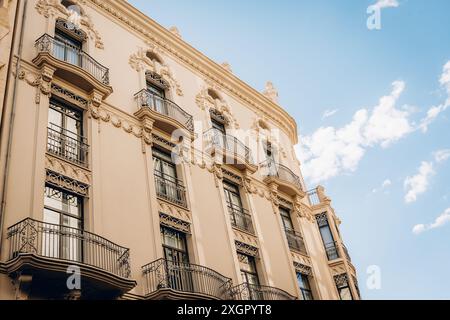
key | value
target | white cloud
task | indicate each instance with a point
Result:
(418, 183)
(435, 111)
(381, 4)
(441, 155)
(329, 113)
(330, 151)
(440, 221)
(386, 183)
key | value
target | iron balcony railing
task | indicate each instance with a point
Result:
(69, 244)
(68, 145)
(229, 144)
(170, 189)
(281, 172)
(146, 99)
(332, 251)
(295, 241)
(185, 277)
(240, 218)
(247, 291)
(313, 197)
(68, 53)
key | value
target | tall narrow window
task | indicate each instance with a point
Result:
(176, 258)
(67, 48)
(294, 238)
(327, 237)
(249, 275)
(63, 219)
(65, 132)
(305, 287)
(157, 96)
(235, 208)
(167, 184)
(343, 287)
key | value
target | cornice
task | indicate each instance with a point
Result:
(169, 42)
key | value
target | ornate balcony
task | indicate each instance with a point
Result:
(247, 291)
(67, 145)
(170, 189)
(165, 114)
(166, 279)
(240, 218)
(284, 177)
(295, 241)
(47, 250)
(72, 65)
(232, 150)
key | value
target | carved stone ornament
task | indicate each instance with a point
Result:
(41, 81)
(54, 8)
(140, 61)
(216, 170)
(270, 92)
(205, 102)
(246, 249)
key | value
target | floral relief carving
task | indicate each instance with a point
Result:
(174, 211)
(54, 8)
(41, 81)
(140, 61)
(245, 238)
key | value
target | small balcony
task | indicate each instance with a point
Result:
(72, 65)
(247, 291)
(284, 177)
(67, 145)
(47, 251)
(232, 150)
(240, 218)
(170, 189)
(332, 251)
(295, 241)
(166, 279)
(165, 114)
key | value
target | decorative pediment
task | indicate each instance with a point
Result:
(150, 59)
(246, 249)
(54, 8)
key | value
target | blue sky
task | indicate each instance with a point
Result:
(380, 167)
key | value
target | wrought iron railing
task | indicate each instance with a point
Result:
(68, 53)
(332, 251)
(170, 188)
(185, 277)
(68, 145)
(295, 241)
(65, 243)
(146, 99)
(247, 291)
(282, 172)
(240, 218)
(229, 144)
(313, 197)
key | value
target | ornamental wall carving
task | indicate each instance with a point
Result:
(245, 238)
(141, 61)
(174, 211)
(301, 259)
(66, 169)
(54, 9)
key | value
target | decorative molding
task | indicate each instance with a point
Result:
(302, 210)
(139, 61)
(54, 8)
(341, 280)
(174, 211)
(246, 238)
(66, 169)
(41, 81)
(216, 170)
(63, 182)
(303, 269)
(205, 102)
(175, 31)
(69, 96)
(174, 223)
(232, 176)
(338, 270)
(300, 258)
(246, 248)
(227, 67)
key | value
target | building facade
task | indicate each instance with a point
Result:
(134, 167)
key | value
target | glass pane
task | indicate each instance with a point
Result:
(53, 199)
(54, 117)
(327, 237)
(345, 294)
(50, 231)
